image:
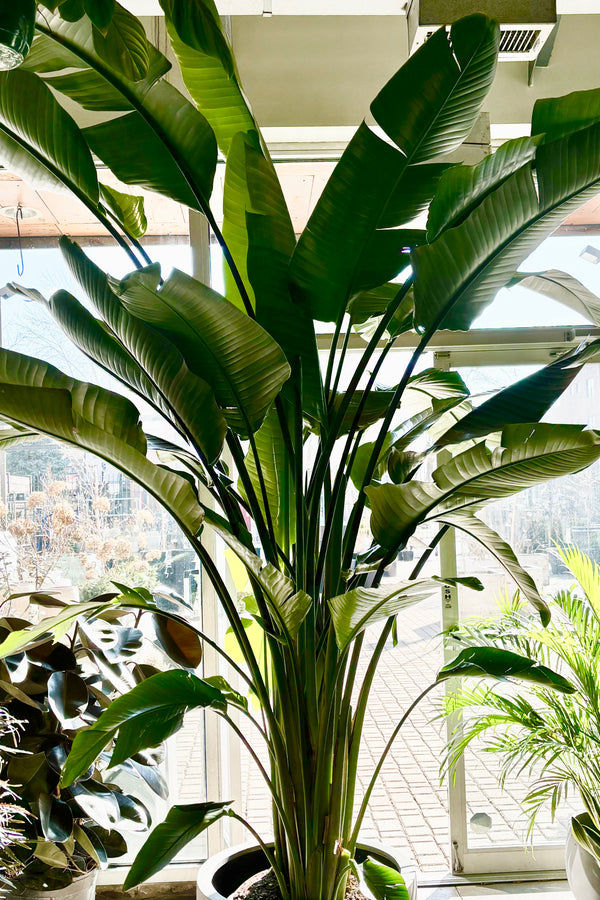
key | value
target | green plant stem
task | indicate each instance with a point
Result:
(332, 352)
(269, 855)
(327, 444)
(340, 367)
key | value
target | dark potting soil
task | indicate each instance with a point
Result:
(265, 887)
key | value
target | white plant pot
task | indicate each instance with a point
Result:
(221, 875)
(583, 870)
(82, 888)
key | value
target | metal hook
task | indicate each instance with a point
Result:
(21, 264)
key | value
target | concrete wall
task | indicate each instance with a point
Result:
(325, 70)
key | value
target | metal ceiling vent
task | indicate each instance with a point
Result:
(525, 25)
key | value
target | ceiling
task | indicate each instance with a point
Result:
(326, 69)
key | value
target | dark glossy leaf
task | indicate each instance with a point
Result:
(56, 818)
(133, 815)
(97, 801)
(238, 358)
(555, 117)
(431, 104)
(144, 717)
(117, 642)
(39, 141)
(123, 44)
(112, 843)
(67, 696)
(100, 12)
(180, 643)
(502, 664)
(182, 824)
(33, 775)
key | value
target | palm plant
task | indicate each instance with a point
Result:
(239, 376)
(552, 738)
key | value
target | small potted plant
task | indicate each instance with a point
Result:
(54, 690)
(553, 737)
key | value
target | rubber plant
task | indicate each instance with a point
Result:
(307, 456)
(52, 689)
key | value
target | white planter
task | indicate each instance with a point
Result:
(83, 888)
(215, 878)
(583, 870)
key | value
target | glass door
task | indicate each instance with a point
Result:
(487, 823)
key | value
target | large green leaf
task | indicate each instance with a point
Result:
(527, 455)
(431, 104)
(128, 209)
(123, 45)
(525, 401)
(554, 117)
(260, 236)
(563, 288)
(141, 358)
(207, 67)
(180, 149)
(220, 344)
(459, 274)
(51, 628)
(182, 825)
(355, 610)
(278, 477)
(502, 664)
(497, 547)
(384, 882)
(331, 259)
(427, 108)
(39, 141)
(150, 713)
(463, 187)
(38, 396)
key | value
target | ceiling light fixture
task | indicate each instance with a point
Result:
(17, 23)
(25, 212)
(591, 254)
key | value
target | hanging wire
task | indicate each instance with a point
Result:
(21, 263)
